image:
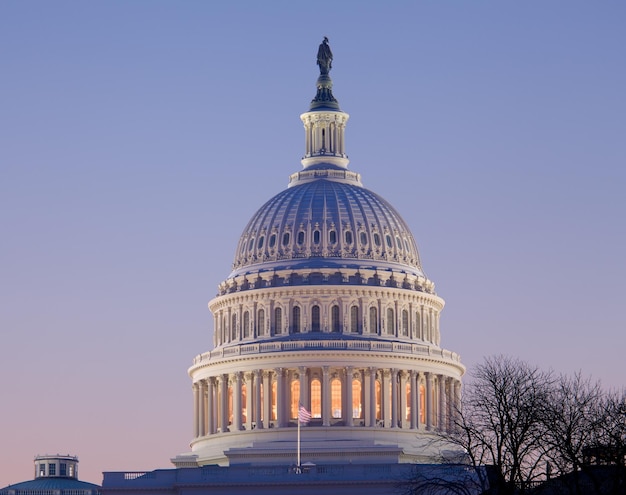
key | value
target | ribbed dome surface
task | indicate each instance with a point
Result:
(323, 221)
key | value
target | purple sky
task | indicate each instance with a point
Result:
(138, 138)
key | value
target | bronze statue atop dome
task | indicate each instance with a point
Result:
(325, 57)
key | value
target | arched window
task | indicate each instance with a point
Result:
(261, 322)
(376, 239)
(272, 240)
(391, 322)
(316, 237)
(315, 318)
(246, 325)
(418, 326)
(357, 405)
(405, 322)
(335, 398)
(274, 401)
(295, 398)
(388, 240)
(295, 323)
(316, 398)
(407, 394)
(300, 238)
(260, 243)
(286, 238)
(354, 319)
(251, 245)
(335, 318)
(348, 237)
(398, 242)
(332, 237)
(379, 409)
(373, 320)
(233, 327)
(278, 320)
(244, 411)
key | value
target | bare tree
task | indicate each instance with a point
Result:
(572, 418)
(498, 423)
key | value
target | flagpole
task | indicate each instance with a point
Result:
(298, 443)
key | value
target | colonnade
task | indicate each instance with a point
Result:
(336, 396)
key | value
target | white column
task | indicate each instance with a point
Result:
(201, 410)
(196, 409)
(267, 399)
(429, 400)
(442, 403)
(325, 396)
(249, 394)
(224, 402)
(394, 398)
(257, 399)
(210, 406)
(349, 399)
(370, 397)
(403, 403)
(386, 376)
(414, 400)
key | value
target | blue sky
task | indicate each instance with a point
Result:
(138, 138)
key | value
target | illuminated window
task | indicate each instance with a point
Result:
(357, 405)
(295, 398)
(230, 405)
(262, 402)
(244, 410)
(408, 402)
(315, 318)
(335, 318)
(316, 398)
(274, 395)
(354, 319)
(335, 398)
(422, 405)
(278, 320)
(373, 320)
(378, 400)
(296, 319)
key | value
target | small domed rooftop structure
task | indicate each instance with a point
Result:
(327, 309)
(54, 474)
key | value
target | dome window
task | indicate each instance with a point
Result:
(278, 320)
(316, 236)
(398, 242)
(300, 238)
(295, 324)
(335, 319)
(251, 245)
(261, 241)
(376, 239)
(272, 240)
(363, 238)
(348, 237)
(406, 245)
(388, 240)
(373, 319)
(286, 238)
(315, 318)
(332, 237)
(354, 319)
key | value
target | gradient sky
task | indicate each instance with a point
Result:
(137, 139)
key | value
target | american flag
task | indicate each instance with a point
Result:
(304, 416)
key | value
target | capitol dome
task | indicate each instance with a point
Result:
(326, 310)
